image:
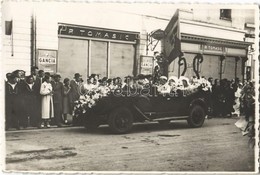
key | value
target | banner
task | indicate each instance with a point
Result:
(172, 43)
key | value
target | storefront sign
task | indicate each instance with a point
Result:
(91, 32)
(47, 60)
(213, 49)
(146, 65)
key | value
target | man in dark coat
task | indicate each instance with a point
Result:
(57, 87)
(13, 102)
(37, 86)
(29, 94)
(74, 95)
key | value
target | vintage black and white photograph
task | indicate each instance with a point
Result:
(129, 87)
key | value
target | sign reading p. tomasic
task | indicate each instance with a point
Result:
(69, 30)
(47, 60)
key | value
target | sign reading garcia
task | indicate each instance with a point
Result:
(91, 32)
(46, 60)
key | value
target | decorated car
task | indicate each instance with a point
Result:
(120, 107)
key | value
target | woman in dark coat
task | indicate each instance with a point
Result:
(66, 100)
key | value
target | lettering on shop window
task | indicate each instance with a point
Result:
(97, 33)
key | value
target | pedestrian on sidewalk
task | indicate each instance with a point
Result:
(47, 111)
(13, 102)
(37, 86)
(29, 93)
(57, 87)
(66, 100)
(75, 85)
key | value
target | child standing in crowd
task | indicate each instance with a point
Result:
(47, 101)
(66, 101)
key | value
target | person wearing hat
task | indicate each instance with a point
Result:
(38, 77)
(75, 85)
(128, 84)
(13, 103)
(163, 86)
(32, 107)
(58, 90)
(66, 102)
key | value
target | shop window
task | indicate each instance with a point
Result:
(122, 59)
(99, 58)
(225, 14)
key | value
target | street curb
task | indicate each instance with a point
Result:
(42, 129)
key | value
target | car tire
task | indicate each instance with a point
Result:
(120, 120)
(197, 116)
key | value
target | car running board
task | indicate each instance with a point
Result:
(160, 119)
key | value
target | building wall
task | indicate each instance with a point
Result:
(47, 15)
(212, 16)
(16, 47)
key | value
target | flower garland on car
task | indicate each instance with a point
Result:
(92, 93)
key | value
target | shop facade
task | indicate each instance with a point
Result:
(89, 50)
(223, 51)
(115, 43)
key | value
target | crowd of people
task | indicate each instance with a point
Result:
(41, 99)
(38, 100)
(232, 98)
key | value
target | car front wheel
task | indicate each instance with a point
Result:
(120, 120)
(197, 116)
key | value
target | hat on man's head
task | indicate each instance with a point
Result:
(8, 75)
(12, 76)
(77, 75)
(56, 75)
(163, 77)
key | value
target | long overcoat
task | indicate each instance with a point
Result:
(47, 101)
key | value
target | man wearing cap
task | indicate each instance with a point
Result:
(74, 93)
(13, 102)
(37, 86)
(57, 87)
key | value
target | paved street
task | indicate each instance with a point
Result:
(217, 146)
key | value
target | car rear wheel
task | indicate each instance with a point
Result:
(197, 116)
(120, 120)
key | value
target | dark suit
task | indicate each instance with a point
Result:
(37, 86)
(57, 101)
(31, 102)
(73, 96)
(13, 106)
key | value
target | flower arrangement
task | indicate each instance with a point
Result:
(89, 99)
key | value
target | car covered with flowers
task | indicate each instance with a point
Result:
(120, 106)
